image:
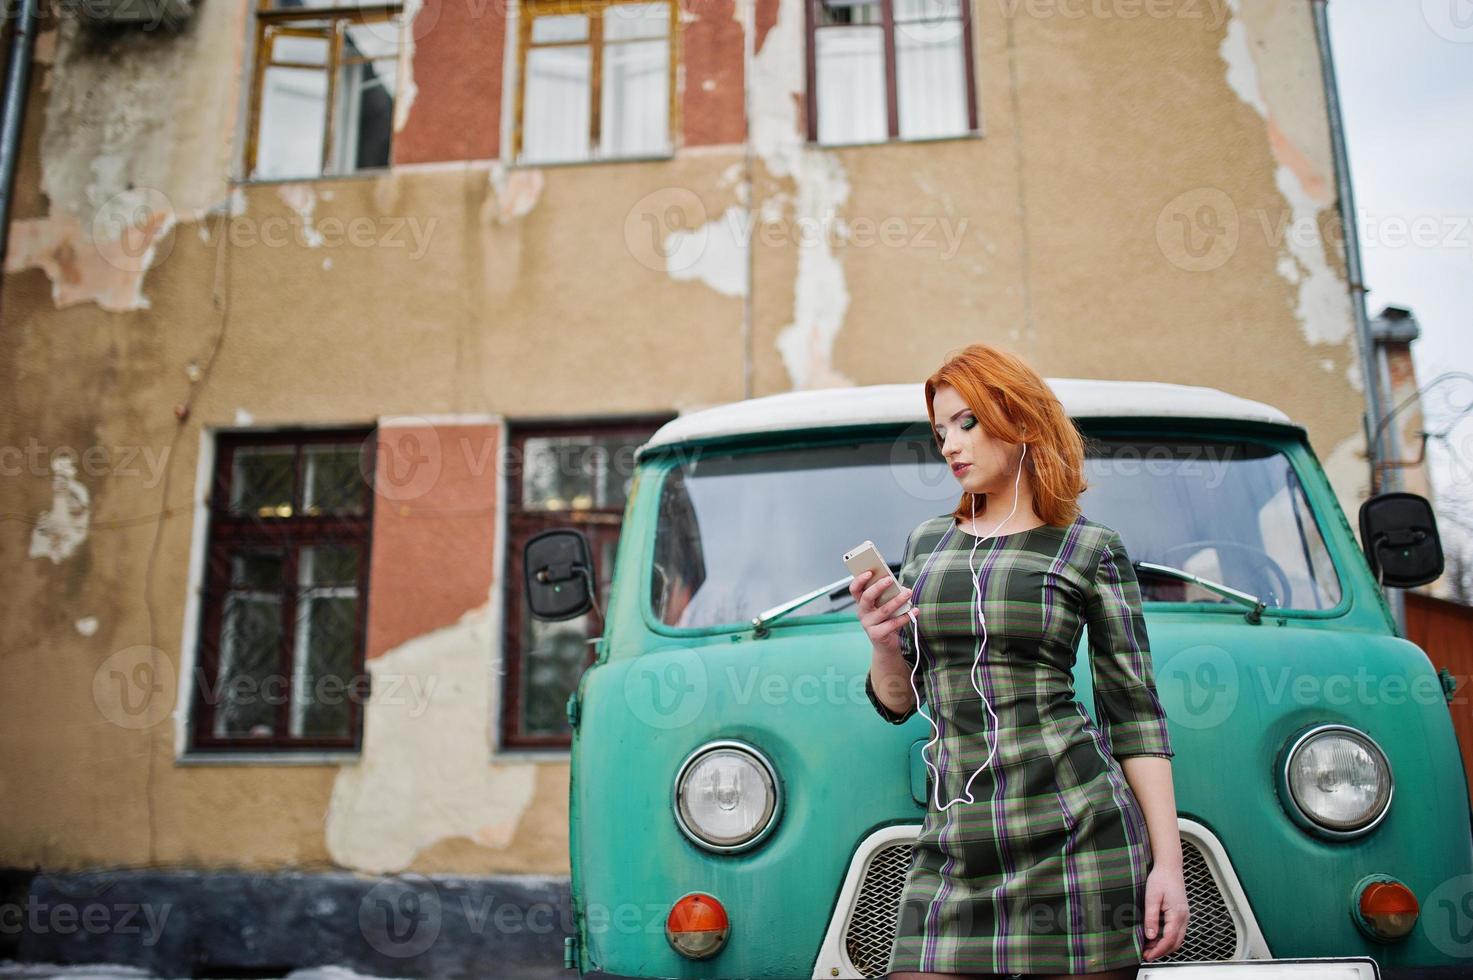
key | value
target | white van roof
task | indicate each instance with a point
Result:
(906, 403)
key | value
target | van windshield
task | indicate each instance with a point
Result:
(739, 533)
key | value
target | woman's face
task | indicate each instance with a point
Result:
(990, 463)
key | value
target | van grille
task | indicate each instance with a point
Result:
(876, 915)
(1212, 934)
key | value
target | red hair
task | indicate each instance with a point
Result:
(1014, 404)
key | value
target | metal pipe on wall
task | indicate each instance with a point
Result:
(17, 79)
(1369, 361)
(749, 55)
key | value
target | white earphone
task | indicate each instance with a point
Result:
(976, 661)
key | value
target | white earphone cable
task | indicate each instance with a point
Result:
(976, 661)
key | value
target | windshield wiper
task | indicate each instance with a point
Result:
(839, 586)
(833, 590)
(1253, 615)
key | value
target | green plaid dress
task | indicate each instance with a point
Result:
(1046, 871)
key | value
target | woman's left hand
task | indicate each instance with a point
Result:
(1166, 912)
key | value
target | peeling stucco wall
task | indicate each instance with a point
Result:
(1349, 474)
(137, 135)
(62, 529)
(405, 95)
(447, 107)
(302, 199)
(1259, 47)
(803, 189)
(430, 780)
(715, 253)
(514, 193)
(820, 188)
(424, 775)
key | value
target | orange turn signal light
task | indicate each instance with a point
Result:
(697, 926)
(1388, 909)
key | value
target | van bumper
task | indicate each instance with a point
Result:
(1288, 969)
(1341, 968)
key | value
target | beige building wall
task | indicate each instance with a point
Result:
(1151, 197)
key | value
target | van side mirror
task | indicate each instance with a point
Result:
(1399, 534)
(558, 569)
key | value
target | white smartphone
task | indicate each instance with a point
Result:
(866, 558)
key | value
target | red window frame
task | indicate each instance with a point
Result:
(229, 534)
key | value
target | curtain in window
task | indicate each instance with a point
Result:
(851, 84)
(557, 104)
(293, 110)
(365, 89)
(634, 114)
(635, 110)
(931, 79)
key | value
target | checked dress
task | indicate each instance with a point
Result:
(1046, 871)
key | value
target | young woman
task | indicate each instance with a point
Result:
(1050, 845)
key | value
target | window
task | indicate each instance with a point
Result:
(1231, 512)
(723, 515)
(560, 477)
(322, 99)
(281, 651)
(889, 69)
(596, 79)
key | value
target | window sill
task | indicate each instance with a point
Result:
(378, 172)
(919, 141)
(317, 758)
(191, 759)
(514, 756)
(369, 174)
(524, 164)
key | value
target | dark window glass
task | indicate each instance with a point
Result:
(281, 656)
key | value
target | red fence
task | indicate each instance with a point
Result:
(1445, 630)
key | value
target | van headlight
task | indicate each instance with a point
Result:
(1337, 780)
(726, 796)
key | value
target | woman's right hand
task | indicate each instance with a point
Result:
(881, 622)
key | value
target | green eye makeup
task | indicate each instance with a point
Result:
(967, 423)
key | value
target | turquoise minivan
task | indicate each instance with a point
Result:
(739, 809)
